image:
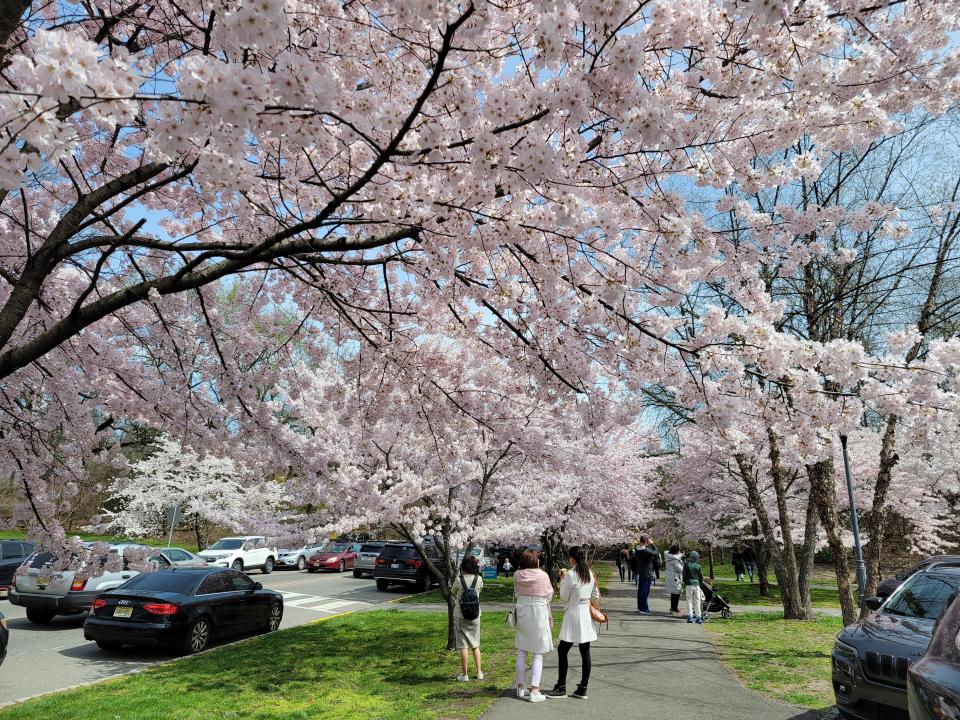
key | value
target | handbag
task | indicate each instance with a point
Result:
(597, 614)
(512, 615)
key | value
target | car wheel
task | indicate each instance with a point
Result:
(382, 584)
(268, 566)
(237, 564)
(276, 615)
(420, 585)
(301, 563)
(357, 573)
(107, 645)
(341, 567)
(40, 617)
(198, 636)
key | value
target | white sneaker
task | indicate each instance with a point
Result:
(479, 676)
(463, 677)
(536, 697)
(523, 693)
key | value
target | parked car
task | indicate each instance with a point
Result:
(12, 555)
(933, 682)
(247, 552)
(46, 593)
(887, 587)
(367, 558)
(296, 558)
(484, 556)
(184, 608)
(4, 638)
(177, 557)
(400, 563)
(336, 556)
(871, 657)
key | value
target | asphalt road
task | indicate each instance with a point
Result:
(42, 658)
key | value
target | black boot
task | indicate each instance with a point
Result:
(559, 691)
(580, 693)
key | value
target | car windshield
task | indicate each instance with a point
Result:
(162, 581)
(923, 596)
(401, 552)
(371, 548)
(227, 544)
(335, 547)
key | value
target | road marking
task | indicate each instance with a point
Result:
(331, 606)
(306, 600)
(287, 594)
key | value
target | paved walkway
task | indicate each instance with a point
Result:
(648, 668)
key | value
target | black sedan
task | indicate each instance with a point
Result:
(183, 608)
(933, 683)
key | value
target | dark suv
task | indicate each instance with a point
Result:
(871, 657)
(400, 563)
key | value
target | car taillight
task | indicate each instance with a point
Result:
(415, 563)
(98, 603)
(78, 584)
(381, 561)
(161, 608)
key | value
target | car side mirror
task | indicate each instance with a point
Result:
(257, 586)
(899, 575)
(873, 603)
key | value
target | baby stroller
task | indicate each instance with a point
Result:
(714, 603)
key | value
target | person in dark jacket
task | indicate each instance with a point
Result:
(737, 559)
(749, 559)
(647, 561)
(622, 562)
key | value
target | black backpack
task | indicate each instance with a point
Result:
(469, 600)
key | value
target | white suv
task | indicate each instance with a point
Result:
(246, 552)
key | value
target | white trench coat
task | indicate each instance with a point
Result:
(577, 625)
(534, 624)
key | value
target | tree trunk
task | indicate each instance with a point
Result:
(451, 634)
(710, 558)
(824, 494)
(806, 561)
(879, 514)
(722, 561)
(793, 599)
(760, 553)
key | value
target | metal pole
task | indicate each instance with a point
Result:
(855, 522)
(173, 521)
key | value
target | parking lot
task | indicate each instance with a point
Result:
(42, 658)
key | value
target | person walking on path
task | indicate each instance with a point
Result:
(673, 577)
(576, 588)
(749, 559)
(647, 561)
(533, 592)
(737, 559)
(466, 624)
(631, 563)
(620, 568)
(692, 578)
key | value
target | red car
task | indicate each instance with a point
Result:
(336, 556)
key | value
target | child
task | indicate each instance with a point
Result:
(692, 579)
(507, 567)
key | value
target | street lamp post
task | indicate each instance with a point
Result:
(855, 523)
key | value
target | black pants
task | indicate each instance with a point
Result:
(674, 602)
(623, 571)
(562, 649)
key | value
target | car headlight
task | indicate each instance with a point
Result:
(844, 650)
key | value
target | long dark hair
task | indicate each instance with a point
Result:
(582, 568)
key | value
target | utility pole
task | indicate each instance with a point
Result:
(855, 523)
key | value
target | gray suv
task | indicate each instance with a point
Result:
(871, 657)
(367, 558)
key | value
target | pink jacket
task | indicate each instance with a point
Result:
(533, 582)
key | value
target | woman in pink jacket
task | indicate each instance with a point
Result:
(533, 593)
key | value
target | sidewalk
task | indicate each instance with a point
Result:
(650, 667)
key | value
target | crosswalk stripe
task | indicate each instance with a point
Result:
(331, 606)
(287, 594)
(309, 599)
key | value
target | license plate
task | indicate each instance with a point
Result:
(42, 583)
(122, 611)
(394, 565)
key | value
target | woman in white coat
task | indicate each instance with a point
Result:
(674, 577)
(576, 589)
(533, 592)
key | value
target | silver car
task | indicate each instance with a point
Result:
(296, 558)
(172, 557)
(367, 558)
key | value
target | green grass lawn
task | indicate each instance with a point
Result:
(154, 542)
(388, 664)
(822, 574)
(745, 593)
(788, 660)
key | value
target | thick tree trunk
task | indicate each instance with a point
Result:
(806, 561)
(877, 526)
(451, 634)
(824, 495)
(710, 557)
(760, 553)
